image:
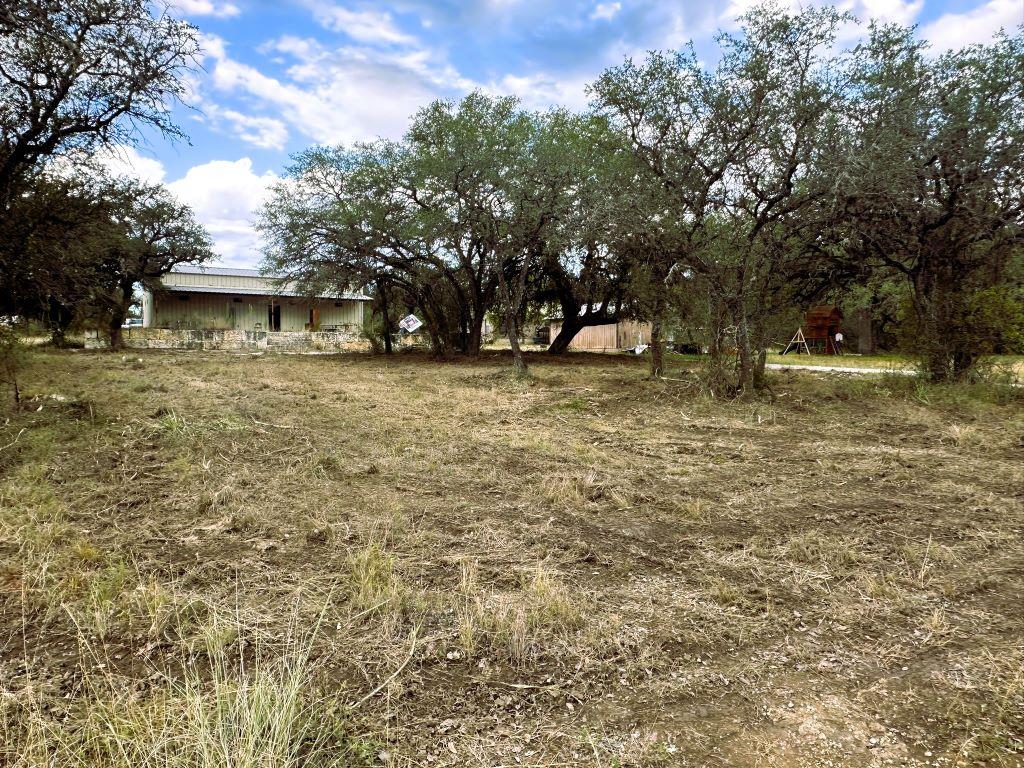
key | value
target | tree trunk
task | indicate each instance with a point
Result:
(118, 314)
(436, 346)
(565, 336)
(476, 334)
(114, 331)
(934, 353)
(386, 317)
(717, 377)
(759, 351)
(59, 319)
(760, 382)
(657, 347)
(512, 320)
(117, 317)
(116, 337)
(518, 361)
(746, 372)
(463, 332)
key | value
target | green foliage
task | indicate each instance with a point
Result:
(481, 207)
(79, 74)
(975, 324)
(934, 195)
(738, 160)
(995, 317)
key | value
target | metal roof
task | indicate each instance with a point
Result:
(259, 289)
(203, 269)
(238, 291)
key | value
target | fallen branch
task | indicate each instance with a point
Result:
(13, 442)
(268, 424)
(392, 676)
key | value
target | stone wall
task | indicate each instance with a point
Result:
(300, 342)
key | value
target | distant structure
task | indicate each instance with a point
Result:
(242, 309)
(222, 298)
(817, 334)
(608, 337)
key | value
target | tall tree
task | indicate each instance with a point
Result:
(587, 248)
(152, 233)
(462, 158)
(81, 243)
(343, 218)
(743, 157)
(938, 192)
(54, 242)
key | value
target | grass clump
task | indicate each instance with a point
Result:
(217, 711)
(816, 548)
(376, 590)
(521, 625)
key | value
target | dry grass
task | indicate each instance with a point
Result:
(217, 709)
(208, 559)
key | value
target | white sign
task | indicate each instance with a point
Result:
(410, 323)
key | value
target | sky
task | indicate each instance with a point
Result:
(278, 76)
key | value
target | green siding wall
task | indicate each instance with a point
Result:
(223, 312)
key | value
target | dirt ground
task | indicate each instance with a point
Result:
(588, 568)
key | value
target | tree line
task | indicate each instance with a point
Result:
(794, 169)
(791, 170)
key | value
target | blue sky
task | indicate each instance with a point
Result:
(279, 76)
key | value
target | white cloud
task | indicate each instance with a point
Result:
(205, 8)
(262, 132)
(540, 91)
(225, 196)
(127, 161)
(605, 11)
(339, 95)
(891, 11)
(364, 26)
(978, 25)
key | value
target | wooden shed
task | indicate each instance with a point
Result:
(609, 337)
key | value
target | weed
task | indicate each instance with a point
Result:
(517, 626)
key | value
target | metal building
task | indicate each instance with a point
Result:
(221, 298)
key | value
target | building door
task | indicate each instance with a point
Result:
(274, 317)
(314, 318)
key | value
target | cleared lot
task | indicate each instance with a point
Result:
(364, 561)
